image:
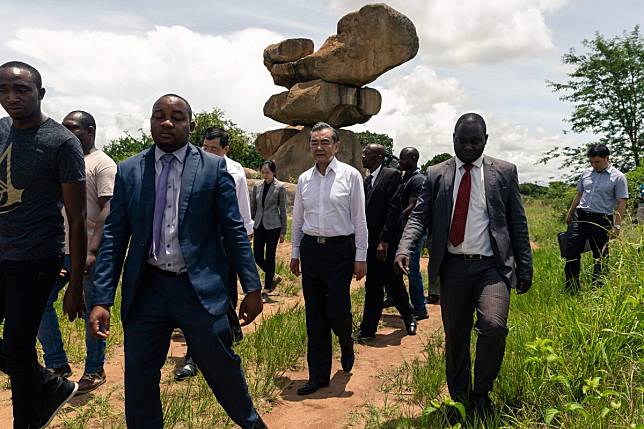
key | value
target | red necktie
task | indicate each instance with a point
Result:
(457, 230)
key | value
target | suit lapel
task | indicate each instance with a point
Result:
(187, 180)
(375, 183)
(148, 187)
(448, 186)
(489, 179)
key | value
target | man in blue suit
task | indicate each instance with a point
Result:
(172, 204)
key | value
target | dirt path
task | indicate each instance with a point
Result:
(328, 408)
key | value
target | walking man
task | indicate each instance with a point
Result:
(175, 270)
(383, 223)
(330, 238)
(602, 191)
(480, 248)
(41, 164)
(100, 170)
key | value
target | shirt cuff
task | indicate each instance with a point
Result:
(295, 252)
(361, 255)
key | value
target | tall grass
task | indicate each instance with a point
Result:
(570, 362)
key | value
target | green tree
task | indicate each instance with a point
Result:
(367, 137)
(437, 159)
(241, 144)
(606, 88)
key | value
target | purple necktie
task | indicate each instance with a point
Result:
(159, 202)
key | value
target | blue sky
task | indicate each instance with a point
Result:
(114, 58)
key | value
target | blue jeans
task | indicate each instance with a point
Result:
(49, 330)
(416, 288)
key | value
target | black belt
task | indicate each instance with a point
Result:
(329, 240)
(467, 257)
(165, 273)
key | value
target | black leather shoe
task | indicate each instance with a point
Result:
(387, 303)
(410, 325)
(360, 337)
(420, 316)
(347, 359)
(54, 400)
(186, 371)
(483, 407)
(433, 299)
(311, 387)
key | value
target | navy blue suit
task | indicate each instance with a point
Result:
(154, 303)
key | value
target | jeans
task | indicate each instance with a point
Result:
(49, 331)
(24, 288)
(416, 288)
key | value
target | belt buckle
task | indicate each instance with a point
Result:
(321, 240)
(472, 257)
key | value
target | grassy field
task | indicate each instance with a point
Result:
(571, 361)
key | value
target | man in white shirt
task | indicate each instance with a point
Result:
(329, 235)
(215, 141)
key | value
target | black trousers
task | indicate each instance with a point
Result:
(327, 270)
(467, 287)
(163, 303)
(591, 227)
(379, 274)
(25, 287)
(264, 248)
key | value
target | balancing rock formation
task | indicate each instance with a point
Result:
(328, 85)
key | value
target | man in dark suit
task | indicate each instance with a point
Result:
(176, 267)
(480, 249)
(382, 207)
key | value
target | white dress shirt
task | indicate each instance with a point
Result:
(169, 257)
(477, 226)
(374, 175)
(330, 205)
(236, 170)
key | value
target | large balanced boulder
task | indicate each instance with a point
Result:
(268, 142)
(310, 102)
(369, 42)
(294, 156)
(286, 51)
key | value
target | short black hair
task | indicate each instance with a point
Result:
(600, 150)
(35, 74)
(270, 164)
(86, 119)
(324, 126)
(214, 133)
(471, 118)
(413, 152)
(180, 98)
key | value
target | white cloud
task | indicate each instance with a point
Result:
(420, 110)
(117, 76)
(474, 31)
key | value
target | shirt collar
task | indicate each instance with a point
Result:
(478, 163)
(333, 165)
(374, 173)
(179, 154)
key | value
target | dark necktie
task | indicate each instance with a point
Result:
(457, 230)
(160, 201)
(368, 185)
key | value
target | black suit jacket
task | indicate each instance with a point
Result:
(382, 208)
(508, 224)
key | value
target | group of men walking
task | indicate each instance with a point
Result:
(173, 224)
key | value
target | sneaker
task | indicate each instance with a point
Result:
(277, 279)
(264, 297)
(53, 401)
(187, 371)
(64, 371)
(89, 382)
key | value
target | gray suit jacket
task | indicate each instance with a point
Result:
(508, 223)
(273, 213)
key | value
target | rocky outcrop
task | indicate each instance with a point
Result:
(369, 42)
(328, 85)
(310, 102)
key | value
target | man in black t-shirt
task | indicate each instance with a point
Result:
(41, 163)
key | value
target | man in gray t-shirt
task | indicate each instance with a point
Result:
(41, 163)
(601, 192)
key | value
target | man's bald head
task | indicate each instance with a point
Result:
(471, 119)
(408, 159)
(372, 156)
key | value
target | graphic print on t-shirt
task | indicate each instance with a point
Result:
(10, 197)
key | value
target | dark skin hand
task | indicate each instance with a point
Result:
(381, 251)
(250, 307)
(74, 199)
(401, 263)
(523, 285)
(99, 321)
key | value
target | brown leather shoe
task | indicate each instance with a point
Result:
(89, 382)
